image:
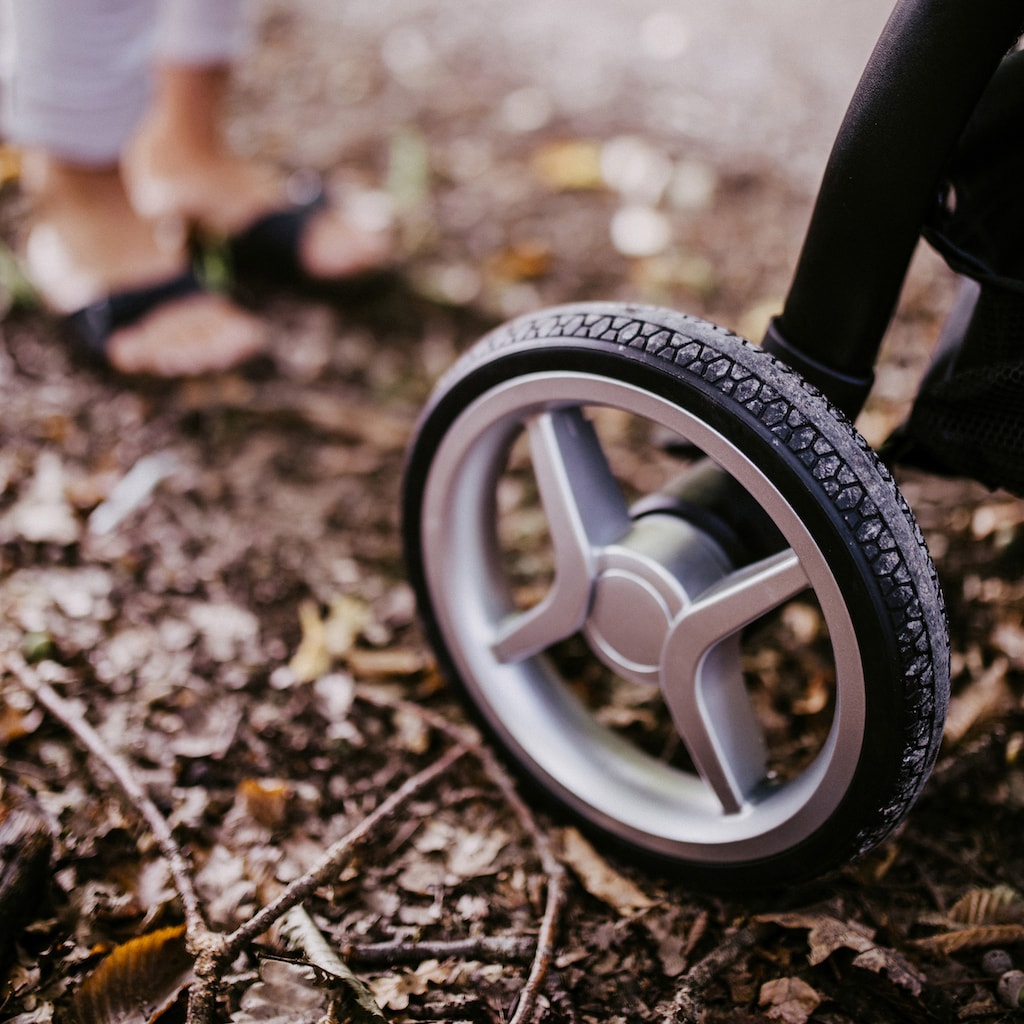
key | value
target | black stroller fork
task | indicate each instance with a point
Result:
(933, 64)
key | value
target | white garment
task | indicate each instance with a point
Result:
(75, 74)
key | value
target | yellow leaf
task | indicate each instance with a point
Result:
(311, 659)
(346, 618)
(570, 164)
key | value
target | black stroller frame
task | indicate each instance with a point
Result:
(784, 502)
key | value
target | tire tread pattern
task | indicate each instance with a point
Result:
(837, 461)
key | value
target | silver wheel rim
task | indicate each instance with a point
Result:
(657, 602)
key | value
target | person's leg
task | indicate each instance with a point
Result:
(179, 162)
(75, 74)
(75, 82)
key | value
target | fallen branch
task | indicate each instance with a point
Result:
(688, 1005)
(553, 868)
(500, 949)
(556, 888)
(216, 955)
(75, 723)
(213, 950)
(332, 860)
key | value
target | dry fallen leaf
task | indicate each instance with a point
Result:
(347, 617)
(999, 905)
(135, 981)
(599, 878)
(394, 990)
(266, 800)
(397, 662)
(43, 515)
(521, 261)
(827, 934)
(980, 918)
(569, 164)
(984, 937)
(351, 1001)
(327, 639)
(984, 698)
(285, 994)
(311, 658)
(791, 1000)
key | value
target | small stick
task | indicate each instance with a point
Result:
(486, 948)
(687, 1007)
(556, 889)
(556, 876)
(76, 724)
(331, 861)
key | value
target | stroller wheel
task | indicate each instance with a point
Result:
(746, 712)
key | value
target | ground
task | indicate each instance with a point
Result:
(210, 572)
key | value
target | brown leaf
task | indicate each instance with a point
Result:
(136, 982)
(827, 934)
(998, 905)
(286, 993)
(599, 878)
(972, 938)
(266, 800)
(791, 1000)
(351, 999)
(394, 990)
(985, 698)
(521, 261)
(10, 163)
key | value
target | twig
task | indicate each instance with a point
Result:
(76, 724)
(556, 876)
(213, 950)
(556, 889)
(687, 1007)
(331, 861)
(211, 961)
(487, 948)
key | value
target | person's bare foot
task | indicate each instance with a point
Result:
(86, 242)
(177, 165)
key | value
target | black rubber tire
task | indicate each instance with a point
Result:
(828, 474)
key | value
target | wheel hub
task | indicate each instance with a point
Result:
(642, 583)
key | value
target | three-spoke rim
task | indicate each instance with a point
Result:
(657, 601)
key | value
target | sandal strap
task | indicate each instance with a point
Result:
(270, 245)
(94, 324)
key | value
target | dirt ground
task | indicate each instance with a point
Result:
(210, 573)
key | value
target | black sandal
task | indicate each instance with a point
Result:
(269, 247)
(91, 327)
